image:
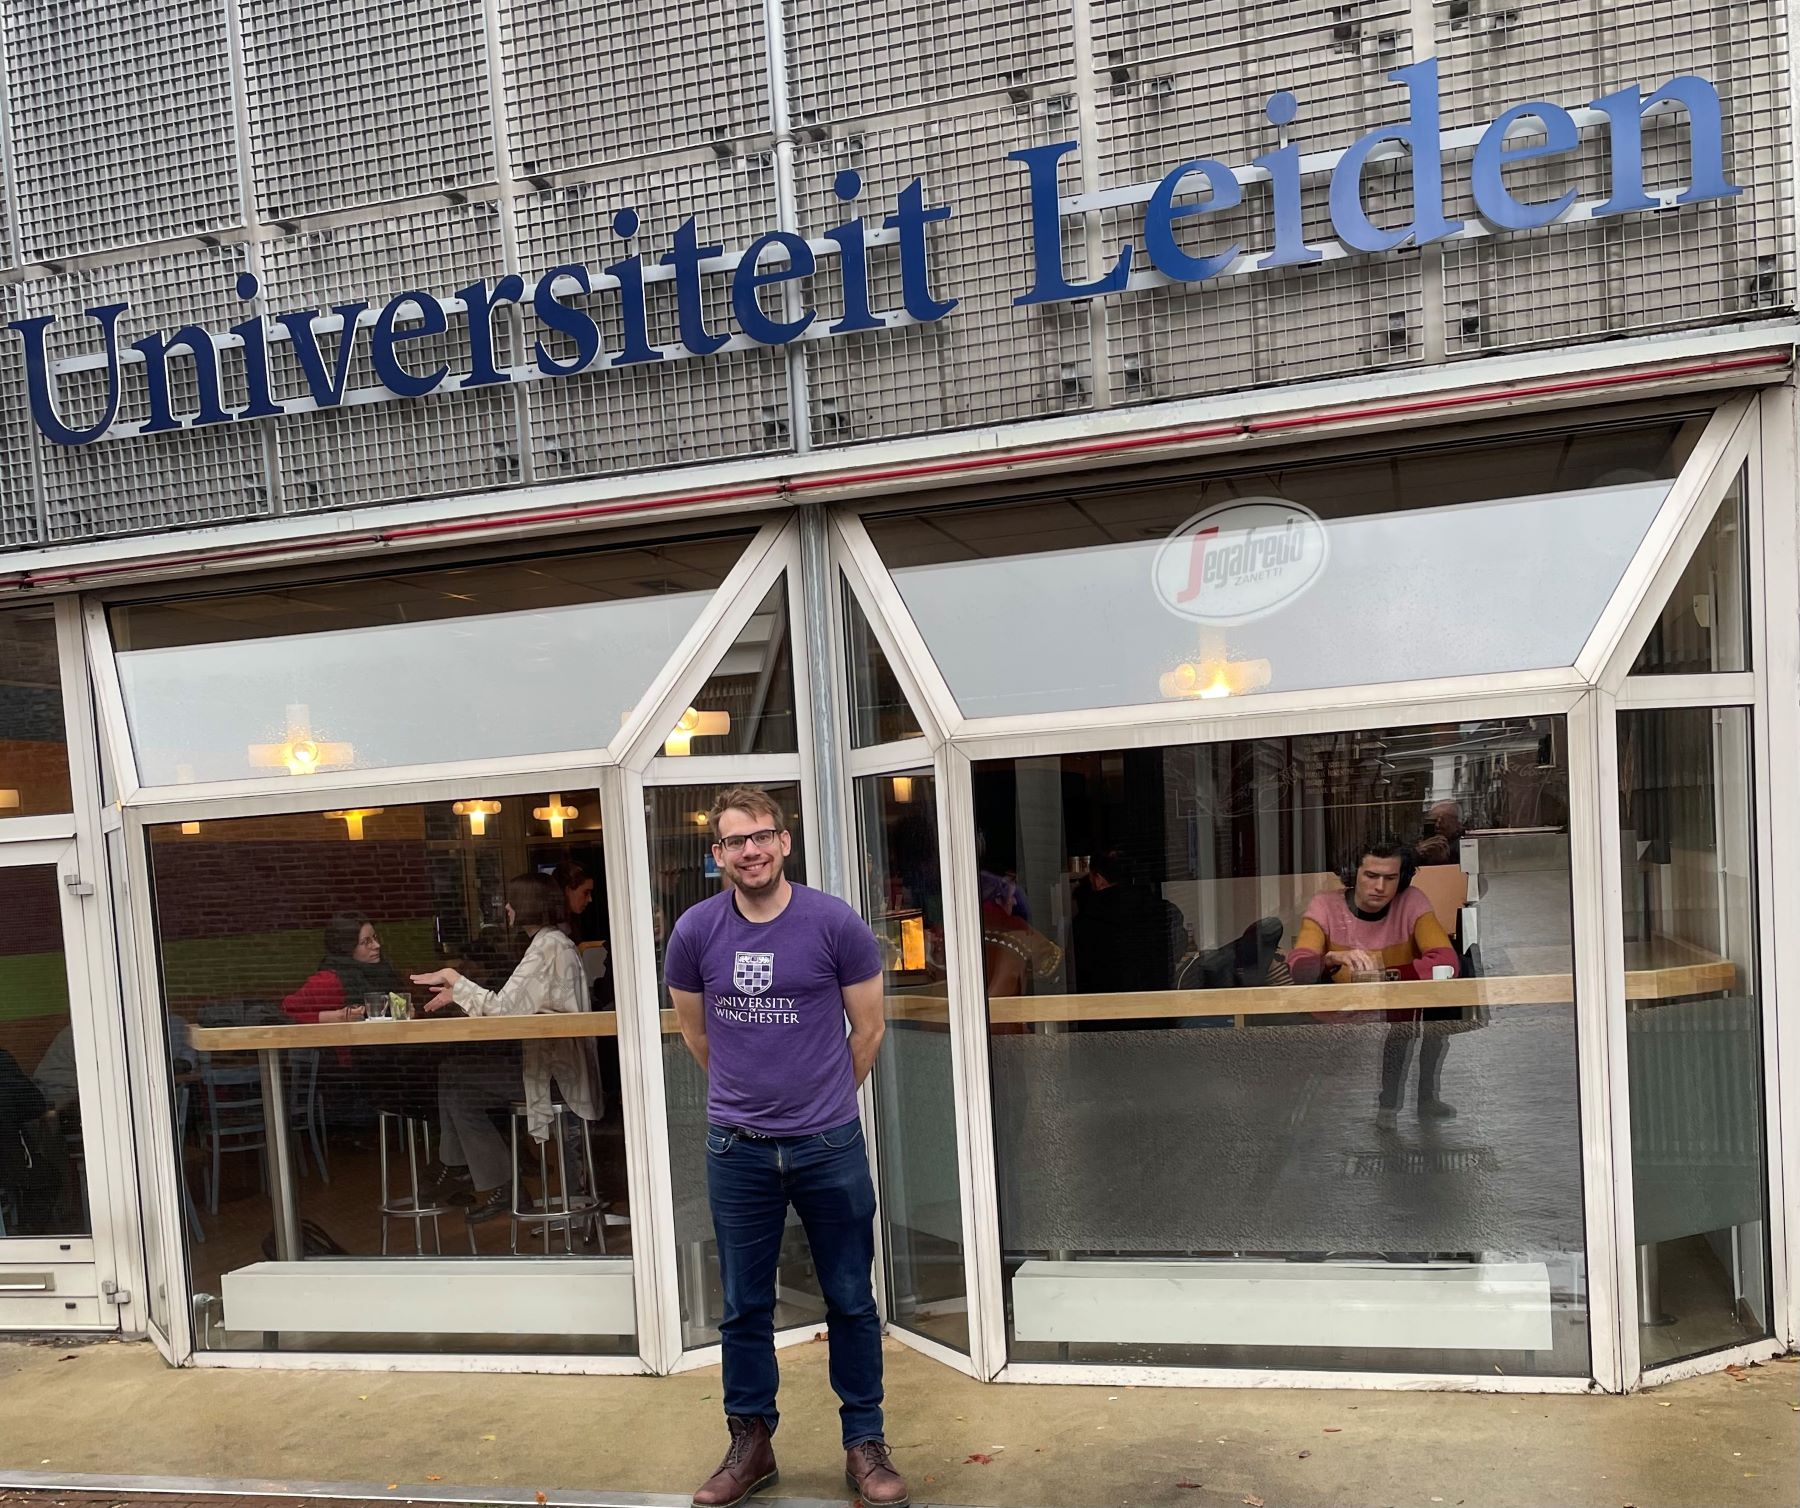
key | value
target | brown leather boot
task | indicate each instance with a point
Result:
(869, 1470)
(749, 1465)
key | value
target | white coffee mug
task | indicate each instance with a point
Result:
(1442, 971)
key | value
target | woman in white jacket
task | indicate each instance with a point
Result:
(548, 978)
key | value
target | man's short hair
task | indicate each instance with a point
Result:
(745, 798)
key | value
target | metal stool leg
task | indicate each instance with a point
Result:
(517, 1183)
(412, 1163)
(381, 1125)
(597, 1218)
(562, 1178)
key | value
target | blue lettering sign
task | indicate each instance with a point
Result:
(568, 302)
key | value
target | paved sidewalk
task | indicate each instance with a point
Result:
(117, 1409)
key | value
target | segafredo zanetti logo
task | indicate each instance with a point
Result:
(1240, 560)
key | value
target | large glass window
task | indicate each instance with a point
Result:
(684, 872)
(1705, 624)
(879, 711)
(43, 1183)
(34, 741)
(532, 656)
(915, 1097)
(1694, 1047)
(418, 1138)
(1461, 560)
(1204, 1159)
(747, 703)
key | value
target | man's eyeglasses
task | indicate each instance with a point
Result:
(763, 837)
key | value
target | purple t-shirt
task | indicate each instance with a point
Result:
(773, 996)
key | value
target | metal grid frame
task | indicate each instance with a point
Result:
(121, 123)
(988, 362)
(590, 82)
(434, 142)
(1701, 265)
(392, 105)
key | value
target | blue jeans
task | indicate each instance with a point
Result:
(750, 1183)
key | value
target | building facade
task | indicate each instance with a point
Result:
(1105, 466)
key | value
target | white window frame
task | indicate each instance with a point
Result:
(1587, 693)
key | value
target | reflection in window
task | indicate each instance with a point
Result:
(1705, 625)
(747, 703)
(682, 873)
(531, 656)
(43, 1187)
(1458, 561)
(320, 918)
(34, 742)
(921, 1194)
(1694, 1055)
(879, 711)
(1303, 1156)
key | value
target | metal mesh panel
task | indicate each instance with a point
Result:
(667, 413)
(1129, 34)
(197, 287)
(362, 101)
(1693, 265)
(19, 521)
(366, 452)
(121, 123)
(1329, 319)
(454, 442)
(846, 61)
(147, 482)
(988, 361)
(596, 81)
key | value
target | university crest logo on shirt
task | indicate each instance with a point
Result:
(753, 972)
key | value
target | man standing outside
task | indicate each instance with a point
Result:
(763, 976)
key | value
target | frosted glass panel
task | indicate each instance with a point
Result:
(489, 661)
(1286, 579)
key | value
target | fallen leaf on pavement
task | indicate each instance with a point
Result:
(1253, 1500)
(979, 1460)
(393, 1486)
(540, 1497)
(1189, 1485)
(819, 1335)
(1334, 1429)
(434, 1479)
(1303, 1455)
(930, 1480)
(490, 1437)
(1738, 1372)
(1665, 1405)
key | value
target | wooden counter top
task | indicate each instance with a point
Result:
(414, 1033)
(1701, 976)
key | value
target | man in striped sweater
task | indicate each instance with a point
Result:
(1376, 924)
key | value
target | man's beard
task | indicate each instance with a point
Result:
(771, 878)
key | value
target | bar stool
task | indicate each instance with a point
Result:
(570, 1209)
(410, 1131)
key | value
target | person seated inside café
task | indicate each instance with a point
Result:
(351, 968)
(549, 978)
(1380, 927)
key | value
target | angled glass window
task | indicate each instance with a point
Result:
(34, 740)
(1705, 625)
(536, 655)
(879, 713)
(747, 703)
(1458, 560)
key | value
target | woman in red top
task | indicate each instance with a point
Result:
(351, 968)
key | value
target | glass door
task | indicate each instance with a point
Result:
(49, 1099)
